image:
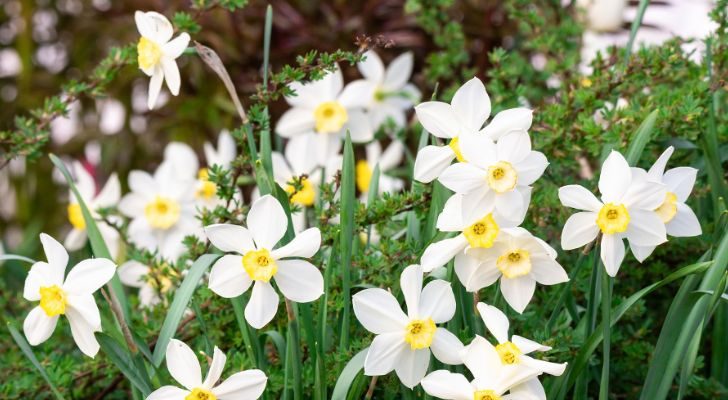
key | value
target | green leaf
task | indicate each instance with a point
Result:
(641, 138)
(636, 22)
(348, 205)
(179, 304)
(348, 374)
(132, 370)
(15, 257)
(25, 348)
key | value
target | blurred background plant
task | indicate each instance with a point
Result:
(80, 55)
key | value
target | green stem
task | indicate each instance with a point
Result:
(606, 343)
(582, 383)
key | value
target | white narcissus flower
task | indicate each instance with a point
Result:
(403, 342)
(518, 259)
(478, 229)
(157, 53)
(392, 94)
(678, 217)
(225, 152)
(72, 297)
(492, 379)
(184, 367)
(255, 261)
(496, 173)
(323, 109)
(108, 197)
(626, 210)
(465, 115)
(135, 274)
(162, 210)
(387, 160)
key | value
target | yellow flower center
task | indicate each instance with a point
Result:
(502, 177)
(76, 216)
(205, 189)
(304, 197)
(482, 233)
(515, 263)
(613, 218)
(508, 353)
(259, 265)
(53, 300)
(162, 212)
(419, 333)
(485, 395)
(455, 146)
(668, 208)
(363, 176)
(200, 394)
(330, 117)
(148, 52)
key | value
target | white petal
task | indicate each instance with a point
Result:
(216, 367)
(481, 202)
(175, 47)
(514, 147)
(546, 271)
(410, 281)
(658, 168)
(463, 178)
(511, 205)
(183, 364)
(358, 94)
(438, 118)
(85, 305)
(298, 153)
(132, 273)
(379, 312)
(384, 353)
(41, 274)
(155, 86)
(412, 366)
(154, 26)
(531, 168)
(530, 390)
(392, 156)
(447, 347)
(89, 275)
(437, 301)
(550, 368)
(230, 238)
(75, 239)
(295, 121)
(684, 223)
(83, 333)
(495, 321)
(644, 195)
(399, 71)
(481, 359)
(507, 121)
(641, 252)
(474, 273)
(168, 393)
(478, 149)
(451, 216)
(576, 196)
(299, 280)
(612, 253)
(518, 291)
(615, 179)
(645, 228)
(267, 222)
(262, 306)
(447, 385)
(471, 104)
(359, 127)
(171, 75)
(372, 67)
(110, 194)
(38, 326)
(431, 161)
(228, 278)
(242, 385)
(580, 229)
(528, 346)
(57, 257)
(305, 245)
(440, 253)
(680, 181)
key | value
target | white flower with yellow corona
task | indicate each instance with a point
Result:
(157, 52)
(255, 260)
(496, 173)
(392, 94)
(108, 197)
(492, 380)
(387, 161)
(626, 210)
(162, 210)
(465, 115)
(327, 110)
(137, 275)
(72, 296)
(474, 231)
(678, 217)
(184, 367)
(518, 259)
(404, 341)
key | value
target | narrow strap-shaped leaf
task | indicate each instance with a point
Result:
(348, 205)
(25, 348)
(348, 374)
(123, 360)
(15, 257)
(179, 304)
(641, 138)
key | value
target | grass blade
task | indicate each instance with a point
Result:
(641, 138)
(635, 27)
(28, 352)
(348, 374)
(606, 342)
(348, 205)
(250, 344)
(179, 304)
(134, 371)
